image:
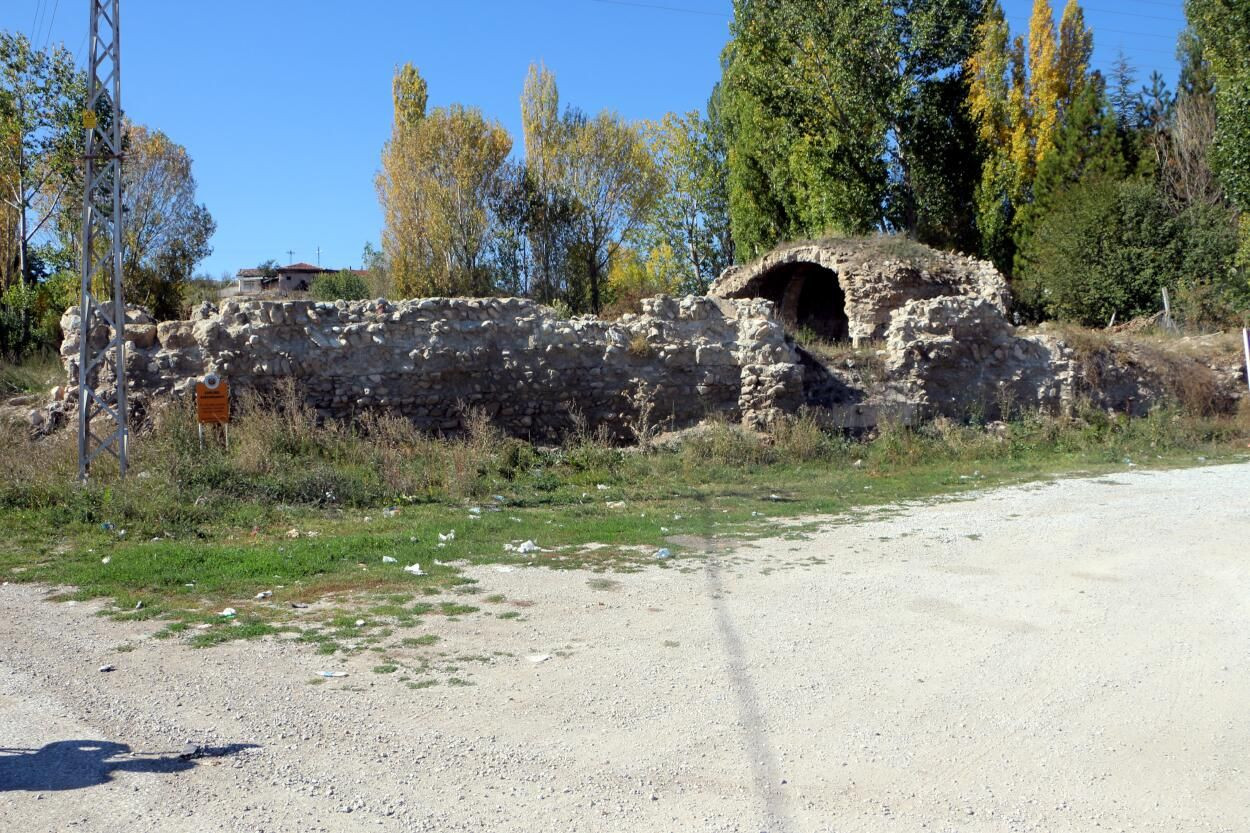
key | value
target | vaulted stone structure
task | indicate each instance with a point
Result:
(848, 289)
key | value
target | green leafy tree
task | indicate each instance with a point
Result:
(41, 99)
(610, 174)
(822, 104)
(1105, 247)
(998, 100)
(1224, 29)
(688, 218)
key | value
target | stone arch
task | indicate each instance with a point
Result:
(809, 296)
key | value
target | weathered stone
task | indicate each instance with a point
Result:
(449, 352)
(849, 288)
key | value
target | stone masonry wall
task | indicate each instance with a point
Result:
(432, 359)
(878, 276)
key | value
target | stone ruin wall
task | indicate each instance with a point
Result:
(432, 360)
(875, 283)
(948, 349)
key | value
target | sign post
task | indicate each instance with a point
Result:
(212, 404)
(1245, 342)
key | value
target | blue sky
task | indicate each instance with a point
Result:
(284, 104)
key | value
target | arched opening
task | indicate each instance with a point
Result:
(808, 296)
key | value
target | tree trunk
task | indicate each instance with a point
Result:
(23, 265)
(593, 263)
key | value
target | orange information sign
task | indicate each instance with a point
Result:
(212, 402)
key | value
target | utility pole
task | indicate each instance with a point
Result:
(318, 255)
(102, 251)
(290, 255)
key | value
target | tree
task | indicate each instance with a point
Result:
(686, 218)
(1223, 26)
(1045, 83)
(609, 173)
(440, 173)
(165, 231)
(1123, 92)
(823, 134)
(402, 243)
(998, 101)
(41, 97)
(1089, 146)
(540, 201)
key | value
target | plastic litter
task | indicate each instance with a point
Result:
(444, 538)
(228, 612)
(332, 673)
(537, 658)
(191, 750)
(360, 623)
(106, 526)
(601, 487)
(415, 569)
(264, 594)
(106, 559)
(386, 559)
(107, 668)
(203, 627)
(524, 547)
(475, 510)
(615, 504)
(663, 553)
(390, 511)
(292, 533)
(498, 498)
(298, 605)
(139, 605)
(121, 533)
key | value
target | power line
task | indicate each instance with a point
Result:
(1133, 14)
(34, 24)
(51, 21)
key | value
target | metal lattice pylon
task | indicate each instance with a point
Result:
(102, 324)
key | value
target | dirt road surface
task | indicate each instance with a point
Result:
(1073, 656)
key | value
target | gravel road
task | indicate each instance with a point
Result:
(1070, 656)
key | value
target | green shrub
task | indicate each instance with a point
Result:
(340, 286)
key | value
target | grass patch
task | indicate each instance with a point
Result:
(385, 669)
(282, 510)
(422, 641)
(243, 630)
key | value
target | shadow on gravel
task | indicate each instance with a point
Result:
(759, 751)
(77, 764)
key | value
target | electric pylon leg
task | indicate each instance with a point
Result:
(102, 408)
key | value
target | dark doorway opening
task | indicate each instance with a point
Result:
(808, 296)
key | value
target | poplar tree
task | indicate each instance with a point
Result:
(1224, 29)
(832, 113)
(1045, 83)
(998, 98)
(441, 172)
